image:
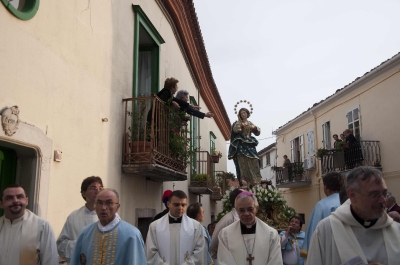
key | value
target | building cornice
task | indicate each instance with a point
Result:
(186, 24)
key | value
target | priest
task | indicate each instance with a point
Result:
(78, 219)
(359, 228)
(176, 239)
(333, 183)
(249, 241)
(25, 239)
(110, 240)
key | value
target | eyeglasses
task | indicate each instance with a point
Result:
(375, 195)
(106, 203)
(95, 188)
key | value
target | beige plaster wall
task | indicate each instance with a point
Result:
(66, 69)
(377, 99)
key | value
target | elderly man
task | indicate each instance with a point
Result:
(391, 204)
(333, 183)
(25, 238)
(250, 240)
(291, 241)
(175, 238)
(359, 228)
(228, 219)
(78, 219)
(110, 240)
(196, 212)
(189, 109)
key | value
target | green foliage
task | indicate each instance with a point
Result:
(321, 152)
(287, 213)
(202, 177)
(220, 177)
(270, 196)
(298, 169)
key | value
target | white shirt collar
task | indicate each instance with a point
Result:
(110, 225)
(87, 211)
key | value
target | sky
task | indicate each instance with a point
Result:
(284, 56)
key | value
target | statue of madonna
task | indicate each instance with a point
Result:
(243, 151)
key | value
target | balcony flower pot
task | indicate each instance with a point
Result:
(215, 159)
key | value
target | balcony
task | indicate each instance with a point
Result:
(292, 177)
(201, 181)
(364, 153)
(155, 140)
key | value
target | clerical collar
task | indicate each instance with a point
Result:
(110, 225)
(174, 220)
(366, 224)
(248, 229)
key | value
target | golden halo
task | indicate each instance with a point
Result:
(244, 101)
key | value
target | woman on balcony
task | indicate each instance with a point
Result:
(352, 151)
(243, 149)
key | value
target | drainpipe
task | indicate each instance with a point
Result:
(317, 172)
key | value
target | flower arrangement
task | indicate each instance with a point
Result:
(269, 196)
(216, 153)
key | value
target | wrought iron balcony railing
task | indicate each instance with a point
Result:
(292, 176)
(155, 134)
(363, 153)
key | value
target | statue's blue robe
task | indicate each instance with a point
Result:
(123, 245)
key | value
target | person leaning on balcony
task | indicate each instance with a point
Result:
(190, 109)
(333, 183)
(337, 140)
(353, 154)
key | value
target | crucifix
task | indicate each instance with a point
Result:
(250, 258)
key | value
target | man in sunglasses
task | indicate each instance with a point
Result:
(359, 229)
(175, 238)
(110, 240)
(78, 219)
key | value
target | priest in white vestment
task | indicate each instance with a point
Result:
(25, 239)
(110, 241)
(78, 219)
(228, 219)
(249, 241)
(176, 239)
(360, 227)
(333, 183)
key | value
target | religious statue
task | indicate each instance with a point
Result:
(242, 148)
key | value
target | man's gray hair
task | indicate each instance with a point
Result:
(181, 94)
(366, 173)
(112, 190)
(246, 194)
(390, 197)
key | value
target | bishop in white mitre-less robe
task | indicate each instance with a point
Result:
(28, 240)
(255, 245)
(176, 241)
(76, 221)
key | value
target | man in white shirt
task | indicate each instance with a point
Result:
(78, 219)
(25, 238)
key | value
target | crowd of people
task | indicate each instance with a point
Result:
(357, 225)
(351, 146)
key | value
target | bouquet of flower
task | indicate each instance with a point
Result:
(216, 153)
(269, 196)
(287, 213)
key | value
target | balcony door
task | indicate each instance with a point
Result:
(297, 149)
(146, 61)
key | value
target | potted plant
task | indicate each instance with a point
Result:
(201, 180)
(215, 156)
(298, 171)
(321, 152)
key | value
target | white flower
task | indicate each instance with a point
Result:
(272, 199)
(266, 199)
(269, 195)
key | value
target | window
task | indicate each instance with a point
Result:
(326, 135)
(22, 9)
(146, 65)
(297, 149)
(353, 122)
(194, 121)
(268, 157)
(261, 162)
(212, 141)
(310, 138)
